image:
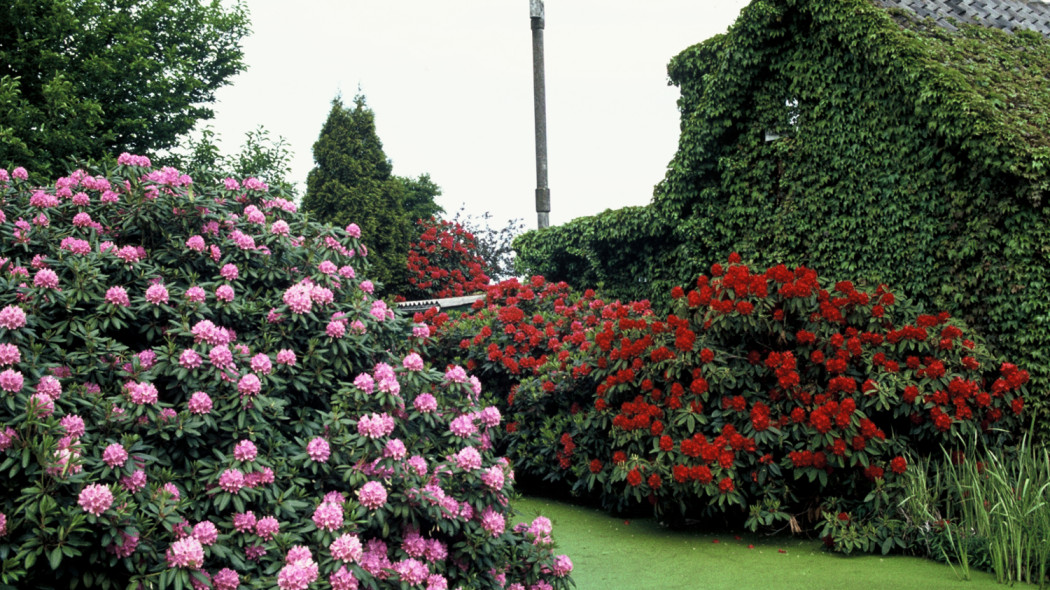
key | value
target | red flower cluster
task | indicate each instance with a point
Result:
(444, 262)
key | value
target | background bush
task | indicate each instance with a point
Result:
(771, 393)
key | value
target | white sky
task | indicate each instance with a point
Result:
(450, 82)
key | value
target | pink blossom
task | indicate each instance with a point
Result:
(221, 356)
(353, 230)
(395, 449)
(328, 516)
(365, 383)
(45, 278)
(372, 495)
(490, 416)
(297, 575)
(249, 385)
(367, 287)
(436, 582)
(425, 403)
(95, 499)
(375, 425)
(134, 482)
(229, 272)
(187, 553)
(245, 450)
(346, 548)
(195, 243)
(336, 329)
(493, 478)
(468, 459)
(321, 295)
(8, 436)
(20, 173)
(190, 359)
(231, 480)
(73, 425)
(199, 403)
(297, 298)
(266, 527)
(286, 357)
(244, 521)
(12, 317)
(171, 490)
(418, 465)
(224, 293)
(254, 184)
(50, 387)
(280, 228)
(274, 317)
(456, 374)
(143, 393)
(82, 219)
(421, 331)
(342, 579)
(493, 522)
(75, 245)
(9, 354)
(114, 455)
(109, 196)
(261, 364)
(226, 579)
(318, 450)
(253, 215)
(347, 272)
(117, 296)
(562, 566)
(130, 254)
(463, 426)
(12, 381)
(40, 404)
(411, 571)
(413, 362)
(196, 294)
(205, 532)
(157, 294)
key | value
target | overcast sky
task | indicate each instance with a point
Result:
(450, 82)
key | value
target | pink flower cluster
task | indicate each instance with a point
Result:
(372, 495)
(346, 548)
(95, 499)
(300, 570)
(199, 403)
(187, 553)
(328, 516)
(318, 450)
(245, 451)
(375, 425)
(12, 317)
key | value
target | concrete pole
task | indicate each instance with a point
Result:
(543, 194)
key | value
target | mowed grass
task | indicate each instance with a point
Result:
(610, 553)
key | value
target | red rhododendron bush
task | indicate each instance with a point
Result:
(200, 390)
(444, 262)
(768, 394)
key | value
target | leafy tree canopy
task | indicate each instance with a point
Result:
(353, 182)
(96, 77)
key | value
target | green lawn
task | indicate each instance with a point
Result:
(610, 553)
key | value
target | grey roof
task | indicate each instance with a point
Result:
(443, 303)
(1001, 14)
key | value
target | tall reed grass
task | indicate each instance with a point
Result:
(986, 505)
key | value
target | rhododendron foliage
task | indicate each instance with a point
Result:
(201, 390)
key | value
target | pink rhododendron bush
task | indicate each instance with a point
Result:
(200, 390)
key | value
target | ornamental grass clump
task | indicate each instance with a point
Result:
(795, 401)
(199, 389)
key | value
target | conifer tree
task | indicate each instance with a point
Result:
(352, 182)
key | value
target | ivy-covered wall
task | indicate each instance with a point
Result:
(907, 155)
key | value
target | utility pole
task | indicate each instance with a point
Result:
(543, 194)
